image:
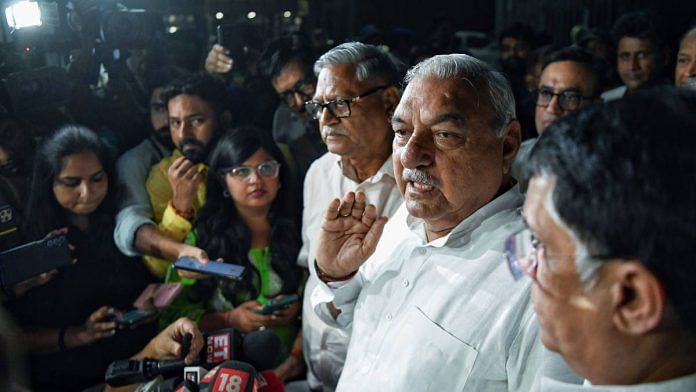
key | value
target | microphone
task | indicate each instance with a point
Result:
(218, 348)
(261, 349)
(269, 382)
(232, 376)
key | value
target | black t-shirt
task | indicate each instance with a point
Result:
(101, 276)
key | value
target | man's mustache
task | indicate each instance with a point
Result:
(419, 176)
(328, 130)
(191, 143)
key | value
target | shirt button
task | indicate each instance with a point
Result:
(389, 316)
(421, 251)
(405, 283)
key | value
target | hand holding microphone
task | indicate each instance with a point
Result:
(169, 343)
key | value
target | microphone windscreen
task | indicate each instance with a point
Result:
(269, 382)
(261, 349)
(231, 376)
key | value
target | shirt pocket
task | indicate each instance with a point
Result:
(419, 355)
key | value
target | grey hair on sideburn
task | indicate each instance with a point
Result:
(370, 62)
(472, 70)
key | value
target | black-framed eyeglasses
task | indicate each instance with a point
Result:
(268, 169)
(339, 108)
(304, 87)
(568, 100)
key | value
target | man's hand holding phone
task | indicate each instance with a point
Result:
(218, 60)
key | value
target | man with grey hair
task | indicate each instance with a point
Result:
(429, 298)
(356, 95)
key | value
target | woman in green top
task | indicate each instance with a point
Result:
(247, 220)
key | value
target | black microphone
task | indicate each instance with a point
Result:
(261, 349)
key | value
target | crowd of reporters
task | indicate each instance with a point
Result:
(227, 172)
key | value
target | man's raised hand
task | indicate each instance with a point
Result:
(348, 235)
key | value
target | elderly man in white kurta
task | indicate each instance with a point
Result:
(429, 298)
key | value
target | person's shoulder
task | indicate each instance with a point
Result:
(323, 164)
(136, 155)
(613, 94)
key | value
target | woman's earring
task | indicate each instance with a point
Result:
(225, 193)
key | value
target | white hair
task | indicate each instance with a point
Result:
(370, 62)
(471, 69)
(585, 264)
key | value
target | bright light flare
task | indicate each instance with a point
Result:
(23, 14)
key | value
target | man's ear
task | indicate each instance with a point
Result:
(226, 119)
(512, 137)
(638, 298)
(390, 98)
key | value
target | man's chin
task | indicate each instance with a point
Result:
(194, 155)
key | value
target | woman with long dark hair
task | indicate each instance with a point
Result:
(247, 220)
(67, 321)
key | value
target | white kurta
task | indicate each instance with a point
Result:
(325, 346)
(440, 316)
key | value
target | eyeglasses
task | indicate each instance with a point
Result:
(304, 87)
(521, 252)
(339, 108)
(567, 100)
(268, 169)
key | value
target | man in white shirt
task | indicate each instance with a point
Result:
(355, 97)
(610, 243)
(433, 308)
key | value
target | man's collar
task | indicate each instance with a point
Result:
(511, 199)
(348, 170)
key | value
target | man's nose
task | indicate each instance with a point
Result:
(297, 101)
(419, 151)
(691, 69)
(326, 117)
(635, 63)
(554, 106)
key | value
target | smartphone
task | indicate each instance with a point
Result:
(32, 259)
(158, 295)
(278, 304)
(231, 37)
(224, 270)
(134, 318)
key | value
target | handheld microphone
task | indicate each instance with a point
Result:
(232, 376)
(194, 373)
(218, 348)
(261, 349)
(269, 382)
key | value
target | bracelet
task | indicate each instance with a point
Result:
(326, 278)
(61, 339)
(184, 214)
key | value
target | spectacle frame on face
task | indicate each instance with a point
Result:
(568, 100)
(339, 108)
(268, 169)
(303, 87)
